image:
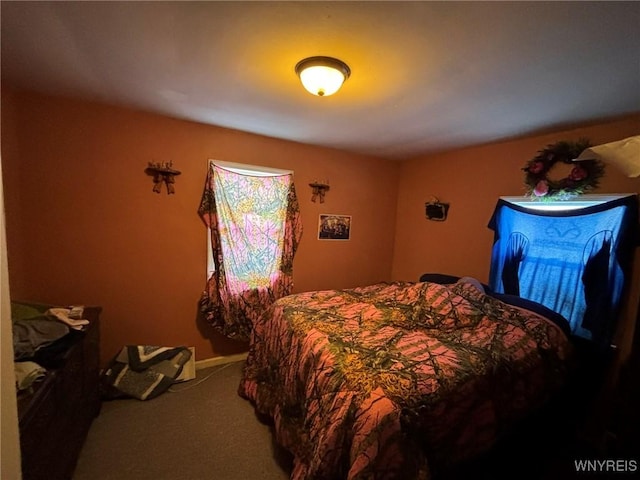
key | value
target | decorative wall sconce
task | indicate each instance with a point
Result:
(318, 190)
(436, 210)
(162, 172)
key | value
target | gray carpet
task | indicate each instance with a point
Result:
(200, 430)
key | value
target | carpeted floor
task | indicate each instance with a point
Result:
(199, 430)
(203, 430)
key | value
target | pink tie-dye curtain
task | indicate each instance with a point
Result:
(255, 229)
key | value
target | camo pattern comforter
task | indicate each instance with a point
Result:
(394, 380)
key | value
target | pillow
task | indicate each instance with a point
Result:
(440, 278)
(535, 307)
(446, 307)
(444, 279)
(472, 281)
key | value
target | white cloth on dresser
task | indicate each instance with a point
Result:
(65, 316)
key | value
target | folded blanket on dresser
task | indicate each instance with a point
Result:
(38, 327)
(143, 371)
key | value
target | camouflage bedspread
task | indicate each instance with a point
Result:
(396, 379)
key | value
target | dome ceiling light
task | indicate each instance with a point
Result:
(322, 76)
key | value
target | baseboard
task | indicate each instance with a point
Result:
(215, 361)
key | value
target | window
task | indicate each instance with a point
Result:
(251, 170)
(575, 259)
(254, 228)
(581, 201)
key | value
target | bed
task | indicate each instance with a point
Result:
(399, 380)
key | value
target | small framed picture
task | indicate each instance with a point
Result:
(334, 227)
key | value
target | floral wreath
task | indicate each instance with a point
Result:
(584, 176)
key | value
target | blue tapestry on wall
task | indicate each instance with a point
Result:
(575, 262)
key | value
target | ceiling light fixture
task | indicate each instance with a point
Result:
(322, 76)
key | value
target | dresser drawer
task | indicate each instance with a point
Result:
(55, 416)
(39, 421)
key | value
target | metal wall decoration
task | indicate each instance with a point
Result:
(318, 190)
(436, 210)
(162, 172)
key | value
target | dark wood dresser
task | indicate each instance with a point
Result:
(55, 416)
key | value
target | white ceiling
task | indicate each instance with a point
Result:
(426, 76)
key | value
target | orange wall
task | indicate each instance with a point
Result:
(471, 180)
(83, 225)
